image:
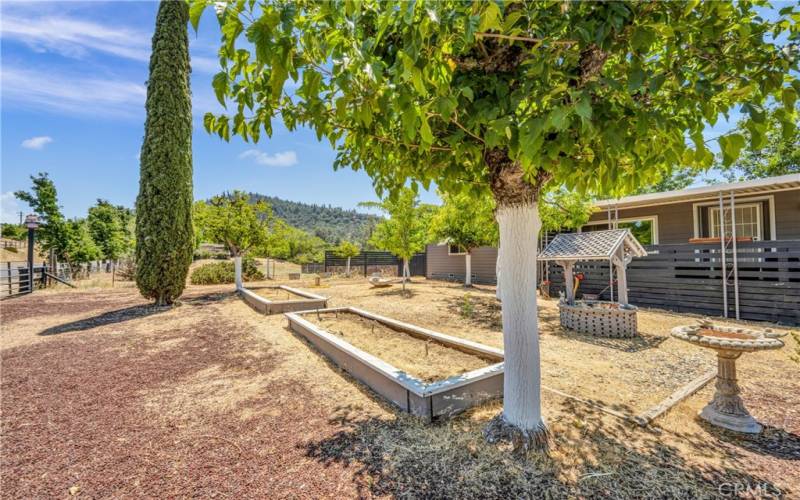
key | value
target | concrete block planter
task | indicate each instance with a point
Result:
(266, 306)
(441, 398)
(600, 318)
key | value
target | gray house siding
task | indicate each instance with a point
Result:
(441, 265)
(787, 209)
(676, 220)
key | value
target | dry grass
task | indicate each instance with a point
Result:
(274, 293)
(427, 361)
(104, 393)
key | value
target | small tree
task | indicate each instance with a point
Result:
(504, 96)
(466, 221)
(235, 222)
(54, 232)
(405, 232)
(109, 227)
(347, 250)
(81, 248)
(164, 240)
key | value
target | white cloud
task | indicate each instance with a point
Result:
(51, 91)
(9, 207)
(282, 159)
(37, 142)
(76, 38)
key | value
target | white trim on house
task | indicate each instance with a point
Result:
(770, 199)
(739, 206)
(652, 218)
(450, 247)
(769, 184)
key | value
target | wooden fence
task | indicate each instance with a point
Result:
(688, 278)
(15, 278)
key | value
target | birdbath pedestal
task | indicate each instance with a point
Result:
(727, 409)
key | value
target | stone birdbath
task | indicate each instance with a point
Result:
(727, 408)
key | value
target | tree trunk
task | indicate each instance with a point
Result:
(518, 218)
(347, 271)
(406, 272)
(237, 271)
(468, 261)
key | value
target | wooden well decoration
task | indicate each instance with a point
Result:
(595, 317)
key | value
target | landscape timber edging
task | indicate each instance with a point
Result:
(265, 306)
(445, 397)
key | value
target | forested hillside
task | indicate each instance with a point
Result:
(332, 224)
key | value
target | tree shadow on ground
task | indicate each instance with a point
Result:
(207, 298)
(480, 310)
(395, 291)
(106, 318)
(639, 343)
(592, 456)
(771, 441)
(133, 312)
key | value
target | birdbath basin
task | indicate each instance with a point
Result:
(727, 409)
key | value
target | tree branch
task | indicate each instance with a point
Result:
(528, 39)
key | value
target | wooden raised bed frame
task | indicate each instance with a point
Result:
(266, 306)
(442, 398)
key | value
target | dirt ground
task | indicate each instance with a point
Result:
(104, 395)
(427, 361)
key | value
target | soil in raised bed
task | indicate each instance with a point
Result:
(426, 360)
(277, 294)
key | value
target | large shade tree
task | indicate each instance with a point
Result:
(164, 238)
(501, 97)
(232, 220)
(466, 222)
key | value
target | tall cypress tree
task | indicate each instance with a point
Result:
(164, 239)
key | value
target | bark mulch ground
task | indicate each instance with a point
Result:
(76, 411)
(105, 396)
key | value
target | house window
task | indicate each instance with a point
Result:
(748, 221)
(456, 250)
(645, 229)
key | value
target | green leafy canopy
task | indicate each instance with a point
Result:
(602, 97)
(235, 222)
(466, 221)
(405, 232)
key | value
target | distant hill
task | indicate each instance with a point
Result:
(332, 224)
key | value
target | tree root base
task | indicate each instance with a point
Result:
(521, 440)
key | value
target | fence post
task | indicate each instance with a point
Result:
(366, 258)
(9, 277)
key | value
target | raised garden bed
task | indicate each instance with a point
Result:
(281, 299)
(390, 357)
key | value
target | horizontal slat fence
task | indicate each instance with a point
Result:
(373, 261)
(14, 278)
(688, 278)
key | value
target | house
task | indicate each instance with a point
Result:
(687, 258)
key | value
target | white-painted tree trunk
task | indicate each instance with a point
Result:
(519, 226)
(237, 271)
(406, 271)
(497, 274)
(468, 261)
(347, 270)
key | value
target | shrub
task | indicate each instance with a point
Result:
(219, 273)
(206, 254)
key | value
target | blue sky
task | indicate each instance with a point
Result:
(73, 91)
